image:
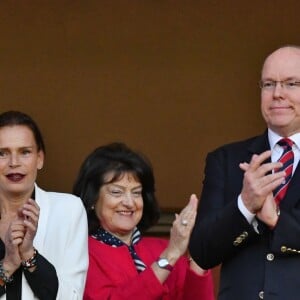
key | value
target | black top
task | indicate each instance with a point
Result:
(43, 280)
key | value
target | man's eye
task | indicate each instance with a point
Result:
(268, 84)
(291, 83)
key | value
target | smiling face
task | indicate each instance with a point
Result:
(281, 106)
(19, 161)
(120, 205)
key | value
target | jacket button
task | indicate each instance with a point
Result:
(244, 235)
(270, 256)
(261, 295)
(283, 249)
(239, 240)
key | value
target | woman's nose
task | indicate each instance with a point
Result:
(14, 160)
(128, 199)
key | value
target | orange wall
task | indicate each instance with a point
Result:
(173, 79)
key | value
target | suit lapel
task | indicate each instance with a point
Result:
(259, 145)
(44, 204)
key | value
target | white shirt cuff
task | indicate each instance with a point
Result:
(244, 210)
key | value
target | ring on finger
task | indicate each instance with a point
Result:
(184, 222)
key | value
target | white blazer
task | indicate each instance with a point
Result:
(62, 239)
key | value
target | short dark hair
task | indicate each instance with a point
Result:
(12, 118)
(118, 159)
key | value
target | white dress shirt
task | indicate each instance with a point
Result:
(275, 155)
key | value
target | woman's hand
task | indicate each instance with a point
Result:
(13, 238)
(181, 231)
(179, 238)
(30, 212)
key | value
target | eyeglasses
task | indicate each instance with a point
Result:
(270, 85)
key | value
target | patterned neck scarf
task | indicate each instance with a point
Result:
(109, 239)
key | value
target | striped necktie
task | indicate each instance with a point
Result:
(139, 264)
(287, 159)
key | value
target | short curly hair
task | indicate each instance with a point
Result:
(118, 159)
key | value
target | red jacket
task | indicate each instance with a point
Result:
(112, 275)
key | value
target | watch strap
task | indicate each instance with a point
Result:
(164, 264)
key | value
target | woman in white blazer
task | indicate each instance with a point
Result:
(43, 235)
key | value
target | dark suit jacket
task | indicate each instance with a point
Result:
(252, 264)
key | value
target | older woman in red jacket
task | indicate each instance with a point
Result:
(116, 186)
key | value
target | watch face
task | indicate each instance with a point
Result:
(162, 262)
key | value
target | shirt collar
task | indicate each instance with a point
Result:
(274, 138)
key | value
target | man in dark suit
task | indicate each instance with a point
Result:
(242, 224)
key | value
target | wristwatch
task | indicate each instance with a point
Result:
(164, 264)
